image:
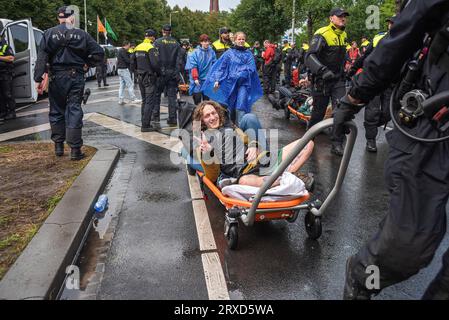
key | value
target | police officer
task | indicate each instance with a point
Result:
(326, 60)
(223, 43)
(364, 45)
(287, 60)
(66, 49)
(7, 102)
(101, 71)
(417, 172)
(145, 63)
(377, 110)
(169, 65)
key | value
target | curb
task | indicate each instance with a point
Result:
(40, 270)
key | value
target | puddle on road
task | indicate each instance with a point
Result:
(158, 197)
(96, 246)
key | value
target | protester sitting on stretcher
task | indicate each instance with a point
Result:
(225, 151)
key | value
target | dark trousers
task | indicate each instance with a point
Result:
(198, 97)
(147, 85)
(171, 85)
(269, 79)
(65, 93)
(101, 72)
(7, 102)
(321, 97)
(288, 73)
(417, 178)
(377, 113)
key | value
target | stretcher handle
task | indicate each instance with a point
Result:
(248, 219)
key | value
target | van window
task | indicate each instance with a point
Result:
(20, 37)
(38, 35)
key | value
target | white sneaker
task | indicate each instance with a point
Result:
(136, 101)
(121, 102)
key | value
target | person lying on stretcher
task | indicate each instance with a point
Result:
(226, 154)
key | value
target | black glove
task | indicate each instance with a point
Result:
(328, 75)
(344, 112)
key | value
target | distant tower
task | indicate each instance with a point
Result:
(214, 7)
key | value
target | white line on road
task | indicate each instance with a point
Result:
(24, 132)
(31, 113)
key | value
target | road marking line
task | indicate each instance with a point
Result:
(131, 130)
(31, 113)
(24, 132)
(215, 280)
(203, 227)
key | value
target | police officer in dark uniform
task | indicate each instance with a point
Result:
(417, 170)
(169, 65)
(377, 110)
(326, 60)
(145, 62)
(7, 102)
(66, 49)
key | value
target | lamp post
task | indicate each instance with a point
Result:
(171, 14)
(85, 16)
(293, 21)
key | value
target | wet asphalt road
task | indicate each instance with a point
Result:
(155, 250)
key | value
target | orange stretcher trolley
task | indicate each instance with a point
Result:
(256, 211)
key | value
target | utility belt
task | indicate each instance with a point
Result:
(71, 71)
(168, 72)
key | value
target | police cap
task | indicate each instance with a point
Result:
(392, 19)
(338, 12)
(166, 27)
(65, 12)
(224, 30)
(150, 33)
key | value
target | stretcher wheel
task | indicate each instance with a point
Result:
(232, 237)
(287, 113)
(313, 225)
(294, 218)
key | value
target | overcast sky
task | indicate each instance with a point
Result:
(203, 4)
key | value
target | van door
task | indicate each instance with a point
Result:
(20, 37)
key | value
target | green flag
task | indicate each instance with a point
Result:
(110, 31)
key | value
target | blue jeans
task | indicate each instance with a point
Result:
(250, 124)
(125, 81)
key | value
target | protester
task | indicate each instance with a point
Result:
(123, 66)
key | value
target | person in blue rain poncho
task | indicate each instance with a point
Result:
(199, 63)
(233, 80)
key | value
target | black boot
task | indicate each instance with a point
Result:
(76, 154)
(59, 149)
(353, 289)
(371, 145)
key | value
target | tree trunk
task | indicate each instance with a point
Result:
(309, 26)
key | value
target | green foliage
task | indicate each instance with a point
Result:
(260, 19)
(128, 18)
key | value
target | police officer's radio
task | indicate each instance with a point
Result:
(415, 103)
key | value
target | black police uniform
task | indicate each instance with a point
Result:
(145, 62)
(169, 65)
(288, 62)
(66, 51)
(101, 72)
(326, 60)
(7, 102)
(417, 174)
(377, 111)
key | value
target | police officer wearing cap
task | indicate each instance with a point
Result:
(7, 102)
(145, 62)
(169, 65)
(223, 43)
(326, 59)
(66, 50)
(417, 168)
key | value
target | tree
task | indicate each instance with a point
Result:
(260, 19)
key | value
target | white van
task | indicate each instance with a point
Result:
(24, 39)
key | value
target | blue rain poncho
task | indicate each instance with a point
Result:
(202, 60)
(239, 81)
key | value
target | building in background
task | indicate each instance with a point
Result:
(214, 7)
